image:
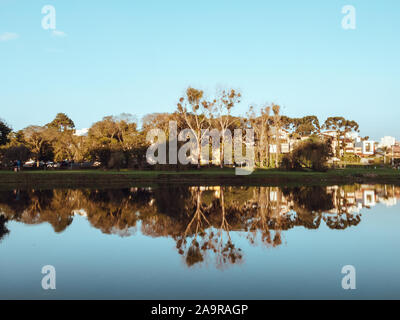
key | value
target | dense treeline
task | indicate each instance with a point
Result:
(118, 142)
(113, 141)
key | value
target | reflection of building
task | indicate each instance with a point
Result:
(369, 198)
(365, 196)
(388, 202)
(169, 210)
(80, 212)
(349, 201)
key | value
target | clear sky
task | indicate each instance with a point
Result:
(109, 57)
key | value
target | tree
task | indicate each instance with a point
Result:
(301, 127)
(37, 141)
(112, 137)
(291, 125)
(62, 123)
(13, 153)
(157, 120)
(60, 142)
(16, 138)
(79, 148)
(307, 126)
(5, 130)
(310, 154)
(222, 108)
(277, 125)
(195, 111)
(162, 122)
(342, 126)
(3, 228)
(60, 134)
(261, 125)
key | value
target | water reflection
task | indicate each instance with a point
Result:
(199, 219)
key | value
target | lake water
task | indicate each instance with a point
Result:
(201, 242)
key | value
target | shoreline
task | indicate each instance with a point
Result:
(206, 177)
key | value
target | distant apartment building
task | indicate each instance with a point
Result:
(286, 144)
(351, 143)
(365, 148)
(394, 151)
(387, 142)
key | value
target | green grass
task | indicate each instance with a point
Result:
(205, 176)
(205, 172)
(208, 171)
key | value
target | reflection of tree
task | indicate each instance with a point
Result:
(201, 220)
(3, 229)
(261, 219)
(194, 252)
(115, 211)
(342, 218)
(206, 237)
(36, 206)
(226, 253)
(309, 203)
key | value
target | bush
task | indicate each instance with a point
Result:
(311, 154)
(13, 153)
(116, 160)
(351, 158)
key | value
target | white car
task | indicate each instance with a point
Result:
(29, 164)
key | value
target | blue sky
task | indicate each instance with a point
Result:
(139, 56)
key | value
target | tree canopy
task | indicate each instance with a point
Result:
(62, 123)
(119, 141)
(5, 130)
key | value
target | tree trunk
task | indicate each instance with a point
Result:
(199, 155)
(222, 152)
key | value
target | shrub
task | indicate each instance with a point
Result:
(351, 158)
(13, 153)
(311, 154)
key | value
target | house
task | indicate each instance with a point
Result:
(330, 136)
(365, 148)
(284, 148)
(349, 145)
(286, 144)
(394, 151)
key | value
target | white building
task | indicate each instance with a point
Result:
(387, 142)
(353, 135)
(366, 148)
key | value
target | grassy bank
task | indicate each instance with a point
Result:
(214, 176)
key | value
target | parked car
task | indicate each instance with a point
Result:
(29, 164)
(96, 164)
(34, 164)
(50, 164)
(56, 165)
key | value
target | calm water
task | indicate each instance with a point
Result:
(201, 242)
